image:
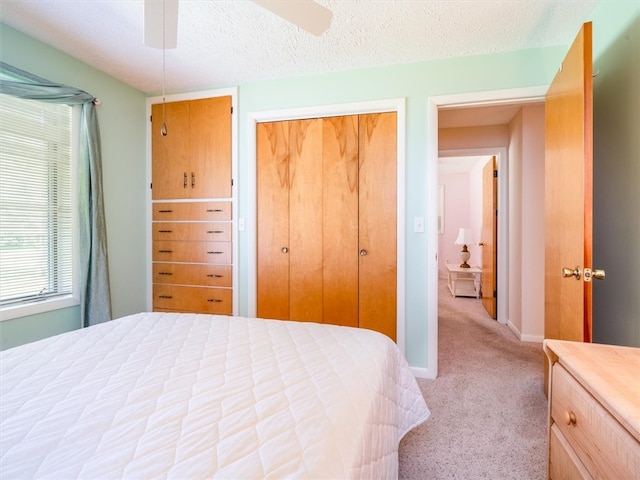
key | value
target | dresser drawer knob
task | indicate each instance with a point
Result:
(569, 418)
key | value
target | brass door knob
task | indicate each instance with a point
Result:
(572, 272)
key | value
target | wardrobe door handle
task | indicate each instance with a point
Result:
(193, 180)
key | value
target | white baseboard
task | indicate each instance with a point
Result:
(525, 338)
(422, 373)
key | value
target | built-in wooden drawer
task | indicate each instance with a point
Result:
(586, 425)
(192, 211)
(198, 231)
(563, 463)
(192, 299)
(192, 252)
(192, 274)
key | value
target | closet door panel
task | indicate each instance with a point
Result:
(272, 164)
(377, 207)
(171, 153)
(305, 220)
(210, 172)
(340, 220)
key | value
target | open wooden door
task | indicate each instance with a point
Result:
(489, 236)
(568, 195)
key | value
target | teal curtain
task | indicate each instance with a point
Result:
(94, 272)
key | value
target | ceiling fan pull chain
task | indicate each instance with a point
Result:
(163, 130)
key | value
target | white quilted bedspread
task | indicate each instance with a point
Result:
(199, 396)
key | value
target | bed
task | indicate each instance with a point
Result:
(203, 396)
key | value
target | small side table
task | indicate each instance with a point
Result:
(464, 282)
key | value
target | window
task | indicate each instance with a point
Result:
(36, 214)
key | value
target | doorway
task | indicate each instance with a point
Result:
(501, 97)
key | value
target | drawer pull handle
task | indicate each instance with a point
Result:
(215, 231)
(165, 231)
(570, 418)
(184, 185)
(193, 180)
(165, 211)
(215, 253)
(214, 275)
(165, 296)
(214, 300)
(165, 251)
(215, 210)
(165, 273)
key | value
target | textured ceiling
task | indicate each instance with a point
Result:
(231, 42)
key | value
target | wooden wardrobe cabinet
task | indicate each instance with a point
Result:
(192, 257)
(194, 159)
(326, 208)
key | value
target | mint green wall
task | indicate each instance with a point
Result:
(417, 82)
(616, 167)
(122, 130)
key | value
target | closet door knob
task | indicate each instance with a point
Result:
(284, 249)
(363, 252)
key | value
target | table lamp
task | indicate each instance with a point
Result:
(464, 239)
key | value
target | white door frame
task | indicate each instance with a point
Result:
(391, 105)
(474, 99)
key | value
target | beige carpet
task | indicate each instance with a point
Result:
(488, 409)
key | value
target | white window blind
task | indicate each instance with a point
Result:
(36, 227)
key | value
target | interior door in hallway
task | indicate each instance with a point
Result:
(568, 194)
(489, 236)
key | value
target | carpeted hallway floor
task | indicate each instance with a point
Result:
(488, 408)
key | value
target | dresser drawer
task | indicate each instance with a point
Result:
(192, 274)
(192, 252)
(563, 463)
(192, 299)
(196, 231)
(603, 446)
(192, 211)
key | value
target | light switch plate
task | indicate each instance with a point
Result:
(418, 224)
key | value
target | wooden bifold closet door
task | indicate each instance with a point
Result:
(326, 208)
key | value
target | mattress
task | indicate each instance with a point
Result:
(204, 396)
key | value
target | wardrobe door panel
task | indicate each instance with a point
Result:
(340, 220)
(377, 219)
(210, 170)
(272, 164)
(305, 217)
(170, 153)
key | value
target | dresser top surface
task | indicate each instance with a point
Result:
(610, 373)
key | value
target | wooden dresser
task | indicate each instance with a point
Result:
(594, 411)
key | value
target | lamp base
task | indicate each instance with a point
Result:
(464, 256)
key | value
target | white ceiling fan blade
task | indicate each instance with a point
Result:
(306, 14)
(154, 35)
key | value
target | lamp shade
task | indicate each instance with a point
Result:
(464, 237)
